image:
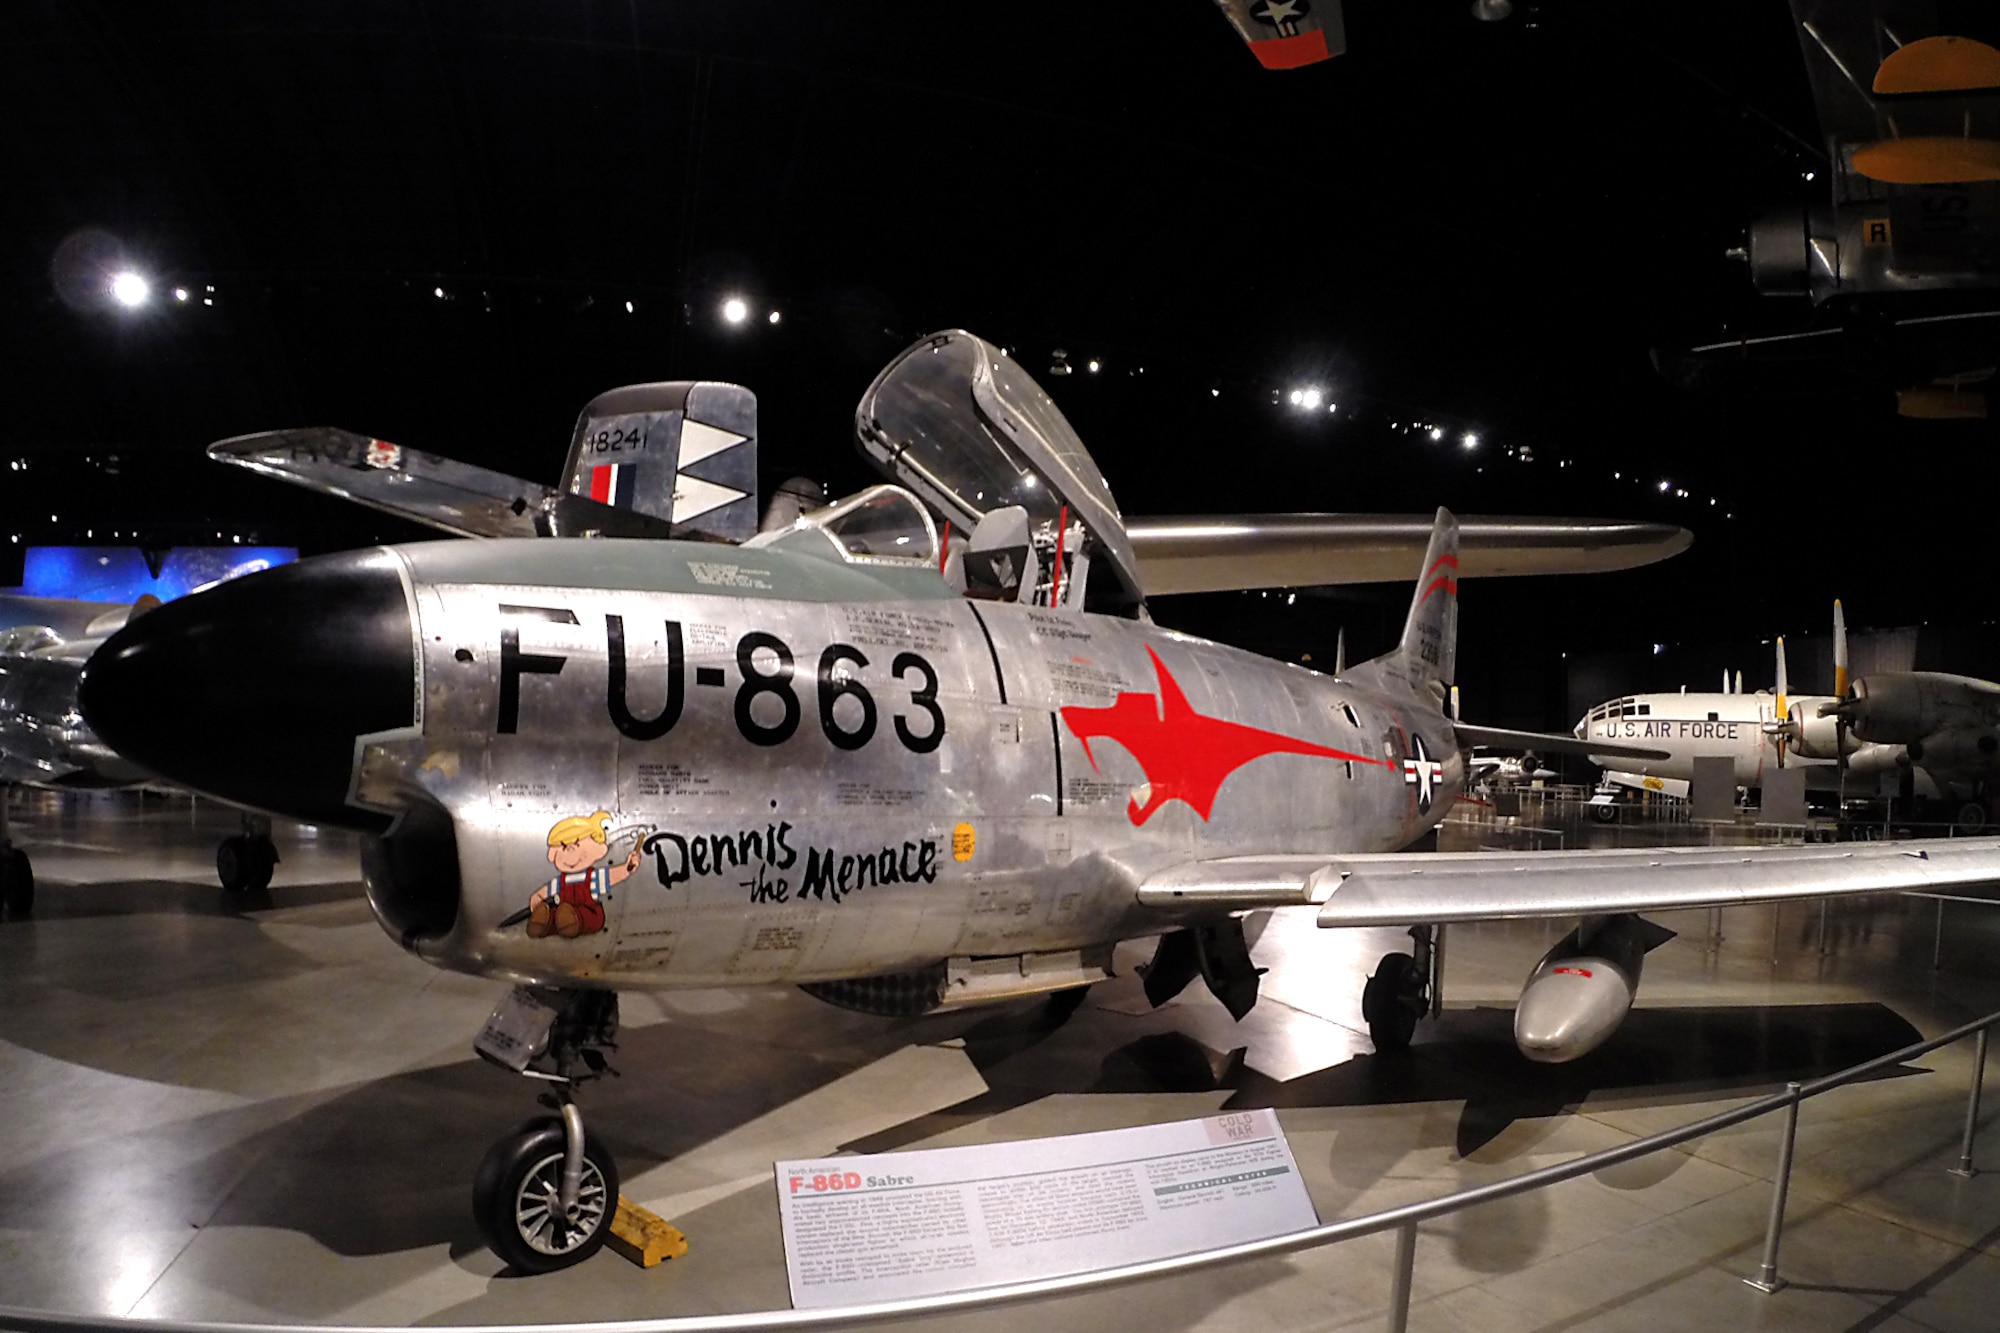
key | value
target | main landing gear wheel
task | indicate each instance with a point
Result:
(244, 863)
(1392, 1001)
(517, 1199)
(1604, 814)
(17, 881)
(1971, 817)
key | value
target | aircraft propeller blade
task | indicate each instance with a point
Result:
(1782, 713)
(1839, 651)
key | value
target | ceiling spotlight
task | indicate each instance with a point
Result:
(1664, 485)
(1470, 439)
(130, 289)
(1298, 396)
(1437, 432)
(773, 317)
(1311, 399)
(628, 307)
(736, 310)
(438, 292)
(180, 293)
(1332, 407)
(1095, 365)
(1215, 393)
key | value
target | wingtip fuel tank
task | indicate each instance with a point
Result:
(1580, 992)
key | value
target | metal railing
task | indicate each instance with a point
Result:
(1403, 1221)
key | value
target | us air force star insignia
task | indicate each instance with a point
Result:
(1281, 15)
(1422, 772)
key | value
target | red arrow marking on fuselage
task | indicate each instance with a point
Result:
(1185, 755)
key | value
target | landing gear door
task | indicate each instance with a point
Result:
(958, 422)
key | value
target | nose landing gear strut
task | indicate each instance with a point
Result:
(546, 1194)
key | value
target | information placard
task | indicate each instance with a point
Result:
(896, 1225)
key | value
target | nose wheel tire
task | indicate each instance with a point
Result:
(1391, 1002)
(17, 881)
(516, 1199)
(244, 863)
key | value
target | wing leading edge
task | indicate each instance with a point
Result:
(459, 498)
(1227, 552)
(1397, 889)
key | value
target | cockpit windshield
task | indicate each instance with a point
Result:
(881, 525)
(883, 522)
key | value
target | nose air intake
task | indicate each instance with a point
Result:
(255, 691)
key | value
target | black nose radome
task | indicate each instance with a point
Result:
(255, 691)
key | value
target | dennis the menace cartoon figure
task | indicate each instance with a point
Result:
(572, 903)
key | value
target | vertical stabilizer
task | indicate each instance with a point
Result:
(1427, 654)
(683, 451)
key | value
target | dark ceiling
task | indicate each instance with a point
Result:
(1487, 226)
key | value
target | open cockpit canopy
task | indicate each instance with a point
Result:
(966, 428)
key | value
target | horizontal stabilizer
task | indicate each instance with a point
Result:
(459, 498)
(1548, 743)
(1228, 552)
(1395, 889)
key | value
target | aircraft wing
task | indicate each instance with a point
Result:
(459, 498)
(1227, 552)
(64, 617)
(1397, 889)
(1544, 742)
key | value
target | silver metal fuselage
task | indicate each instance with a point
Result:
(835, 770)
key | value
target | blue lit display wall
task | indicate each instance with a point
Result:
(120, 573)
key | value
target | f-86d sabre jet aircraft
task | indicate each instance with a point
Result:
(904, 773)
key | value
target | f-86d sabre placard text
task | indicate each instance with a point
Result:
(896, 1225)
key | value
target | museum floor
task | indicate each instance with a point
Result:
(266, 1112)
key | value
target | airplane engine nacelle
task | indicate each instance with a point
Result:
(1582, 989)
(1889, 710)
(1910, 707)
(1958, 751)
(1815, 737)
(1780, 252)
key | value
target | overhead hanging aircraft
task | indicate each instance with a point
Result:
(1285, 34)
(1901, 256)
(903, 770)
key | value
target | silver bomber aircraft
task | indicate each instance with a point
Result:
(853, 755)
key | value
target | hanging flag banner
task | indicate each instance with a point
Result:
(896, 1225)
